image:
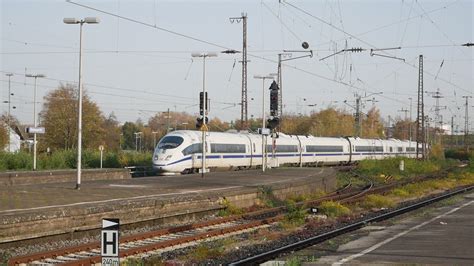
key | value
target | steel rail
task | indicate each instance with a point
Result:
(335, 195)
(328, 235)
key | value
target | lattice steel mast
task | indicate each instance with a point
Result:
(420, 120)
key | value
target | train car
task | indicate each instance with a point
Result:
(181, 151)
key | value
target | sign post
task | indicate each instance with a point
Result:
(110, 242)
(101, 149)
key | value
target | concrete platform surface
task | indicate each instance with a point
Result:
(40, 196)
(444, 236)
(30, 211)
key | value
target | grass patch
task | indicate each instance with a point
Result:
(380, 169)
(229, 209)
(266, 197)
(296, 214)
(377, 201)
(334, 209)
(205, 251)
(293, 261)
(400, 192)
(67, 159)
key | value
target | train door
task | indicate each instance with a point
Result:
(300, 149)
(250, 150)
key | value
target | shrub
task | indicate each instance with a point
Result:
(229, 209)
(334, 209)
(295, 214)
(67, 159)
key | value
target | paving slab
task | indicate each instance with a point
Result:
(444, 236)
(30, 211)
(27, 197)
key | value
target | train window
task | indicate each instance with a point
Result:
(193, 148)
(170, 142)
(363, 148)
(400, 149)
(321, 148)
(379, 148)
(283, 148)
(391, 149)
(254, 150)
(411, 149)
(227, 148)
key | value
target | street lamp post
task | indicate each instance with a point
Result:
(287, 53)
(36, 76)
(88, 20)
(9, 75)
(204, 127)
(409, 129)
(154, 139)
(264, 146)
(138, 135)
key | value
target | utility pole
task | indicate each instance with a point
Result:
(9, 75)
(410, 120)
(404, 110)
(243, 101)
(168, 124)
(36, 76)
(280, 85)
(287, 53)
(136, 140)
(452, 130)
(358, 121)
(420, 120)
(466, 123)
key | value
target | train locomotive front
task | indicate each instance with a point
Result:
(168, 156)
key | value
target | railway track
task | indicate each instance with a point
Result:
(271, 254)
(156, 242)
(165, 239)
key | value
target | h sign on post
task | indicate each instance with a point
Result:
(110, 242)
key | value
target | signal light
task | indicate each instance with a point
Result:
(199, 122)
(201, 103)
(273, 123)
(274, 99)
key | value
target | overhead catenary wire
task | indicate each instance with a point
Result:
(365, 42)
(332, 80)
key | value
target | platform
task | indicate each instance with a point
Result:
(28, 211)
(443, 236)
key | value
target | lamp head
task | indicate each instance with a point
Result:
(92, 20)
(71, 20)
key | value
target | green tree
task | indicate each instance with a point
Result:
(332, 123)
(372, 126)
(112, 133)
(59, 117)
(401, 129)
(128, 136)
(3, 136)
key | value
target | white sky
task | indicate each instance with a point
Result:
(136, 70)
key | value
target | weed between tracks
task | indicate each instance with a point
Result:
(229, 209)
(297, 222)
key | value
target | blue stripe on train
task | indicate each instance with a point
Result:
(280, 155)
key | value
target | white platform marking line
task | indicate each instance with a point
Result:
(372, 248)
(111, 200)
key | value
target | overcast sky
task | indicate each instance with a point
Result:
(135, 69)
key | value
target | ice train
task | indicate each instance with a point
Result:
(181, 151)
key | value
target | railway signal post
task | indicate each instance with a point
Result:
(204, 107)
(264, 130)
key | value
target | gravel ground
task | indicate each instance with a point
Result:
(308, 231)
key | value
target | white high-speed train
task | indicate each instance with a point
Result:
(181, 151)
